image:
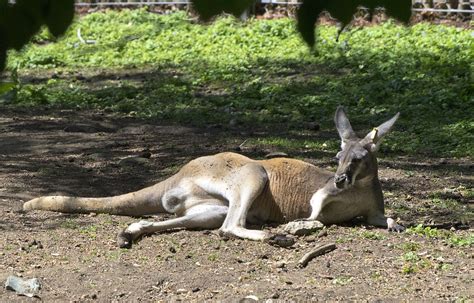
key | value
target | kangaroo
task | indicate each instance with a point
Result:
(229, 190)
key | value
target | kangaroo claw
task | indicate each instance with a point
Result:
(124, 239)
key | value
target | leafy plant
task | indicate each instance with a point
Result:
(259, 74)
(447, 236)
(372, 235)
(342, 280)
(23, 18)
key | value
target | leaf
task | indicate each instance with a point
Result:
(343, 11)
(59, 15)
(307, 15)
(3, 58)
(21, 21)
(399, 9)
(5, 87)
(211, 8)
(3, 49)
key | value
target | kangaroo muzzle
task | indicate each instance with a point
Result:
(342, 180)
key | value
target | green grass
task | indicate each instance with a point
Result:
(260, 73)
(447, 236)
(372, 235)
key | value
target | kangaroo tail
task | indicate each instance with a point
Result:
(143, 202)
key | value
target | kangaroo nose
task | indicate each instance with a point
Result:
(339, 180)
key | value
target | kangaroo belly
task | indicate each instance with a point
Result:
(290, 188)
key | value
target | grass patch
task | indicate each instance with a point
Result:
(260, 73)
(414, 263)
(69, 224)
(90, 231)
(372, 235)
(447, 236)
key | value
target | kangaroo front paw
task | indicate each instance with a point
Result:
(124, 239)
(394, 226)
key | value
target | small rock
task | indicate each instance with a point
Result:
(249, 298)
(323, 233)
(280, 264)
(303, 228)
(282, 240)
(172, 250)
(195, 289)
(133, 160)
(276, 296)
(29, 288)
(181, 291)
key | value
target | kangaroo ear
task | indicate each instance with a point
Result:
(373, 139)
(343, 125)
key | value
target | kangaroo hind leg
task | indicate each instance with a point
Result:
(244, 186)
(207, 216)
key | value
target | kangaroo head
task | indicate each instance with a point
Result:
(357, 159)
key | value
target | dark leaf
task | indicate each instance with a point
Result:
(5, 87)
(307, 15)
(59, 15)
(211, 8)
(399, 9)
(343, 11)
(21, 21)
(3, 58)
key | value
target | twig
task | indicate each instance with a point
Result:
(243, 143)
(79, 36)
(318, 251)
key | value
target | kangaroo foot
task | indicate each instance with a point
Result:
(125, 239)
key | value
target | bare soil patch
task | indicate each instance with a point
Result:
(76, 258)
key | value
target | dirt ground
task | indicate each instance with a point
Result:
(76, 259)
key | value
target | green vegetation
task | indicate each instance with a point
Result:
(414, 263)
(261, 74)
(89, 231)
(372, 235)
(342, 280)
(447, 236)
(69, 224)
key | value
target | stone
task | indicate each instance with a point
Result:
(303, 228)
(29, 288)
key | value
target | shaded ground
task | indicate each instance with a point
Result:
(76, 259)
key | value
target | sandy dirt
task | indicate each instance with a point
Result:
(76, 259)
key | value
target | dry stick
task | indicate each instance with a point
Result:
(318, 251)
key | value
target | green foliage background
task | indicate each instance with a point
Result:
(261, 73)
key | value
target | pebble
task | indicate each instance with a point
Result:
(280, 264)
(133, 160)
(303, 228)
(181, 291)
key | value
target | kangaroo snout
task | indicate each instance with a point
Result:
(342, 180)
